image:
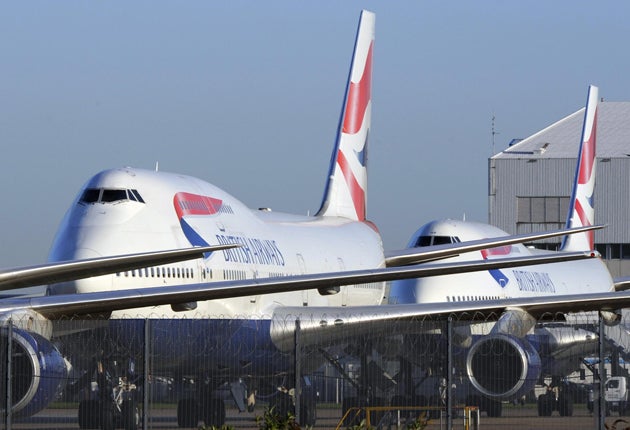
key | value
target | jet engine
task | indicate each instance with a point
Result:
(38, 371)
(503, 367)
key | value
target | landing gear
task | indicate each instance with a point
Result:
(202, 405)
(565, 404)
(546, 403)
(89, 414)
(187, 413)
(283, 403)
(191, 411)
(113, 405)
(493, 408)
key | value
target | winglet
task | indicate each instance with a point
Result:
(346, 190)
(581, 209)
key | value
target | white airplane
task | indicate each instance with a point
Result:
(514, 330)
(246, 294)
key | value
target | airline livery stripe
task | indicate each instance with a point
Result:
(357, 193)
(590, 235)
(359, 95)
(588, 155)
(497, 274)
(499, 250)
(194, 204)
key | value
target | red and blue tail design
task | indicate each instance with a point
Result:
(346, 190)
(581, 209)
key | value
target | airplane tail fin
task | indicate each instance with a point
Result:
(581, 208)
(346, 189)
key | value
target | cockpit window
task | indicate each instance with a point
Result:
(440, 240)
(90, 195)
(135, 195)
(435, 240)
(113, 195)
(109, 195)
(423, 241)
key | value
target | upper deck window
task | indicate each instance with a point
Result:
(109, 195)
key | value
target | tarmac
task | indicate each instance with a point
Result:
(514, 418)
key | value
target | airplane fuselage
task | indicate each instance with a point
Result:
(132, 210)
(590, 276)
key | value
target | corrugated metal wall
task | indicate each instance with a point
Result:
(510, 178)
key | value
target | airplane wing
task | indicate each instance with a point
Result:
(51, 273)
(437, 252)
(332, 324)
(101, 302)
(622, 284)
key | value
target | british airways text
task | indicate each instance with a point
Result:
(252, 250)
(539, 282)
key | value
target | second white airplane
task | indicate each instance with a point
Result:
(546, 351)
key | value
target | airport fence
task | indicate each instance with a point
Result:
(193, 372)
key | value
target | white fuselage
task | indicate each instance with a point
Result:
(577, 277)
(127, 210)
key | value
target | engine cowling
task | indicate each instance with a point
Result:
(38, 372)
(503, 367)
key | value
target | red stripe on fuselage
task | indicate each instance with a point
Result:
(194, 204)
(499, 250)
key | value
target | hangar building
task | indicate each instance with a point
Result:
(530, 182)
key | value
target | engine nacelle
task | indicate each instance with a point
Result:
(503, 367)
(38, 372)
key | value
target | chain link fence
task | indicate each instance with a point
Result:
(185, 373)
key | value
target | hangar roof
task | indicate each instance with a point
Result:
(560, 139)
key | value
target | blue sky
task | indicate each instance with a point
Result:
(247, 95)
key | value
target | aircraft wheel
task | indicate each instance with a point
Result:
(565, 406)
(89, 414)
(107, 416)
(215, 413)
(545, 405)
(494, 408)
(187, 413)
(281, 404)
(435, 402)
(308, 413)
(130, 415)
